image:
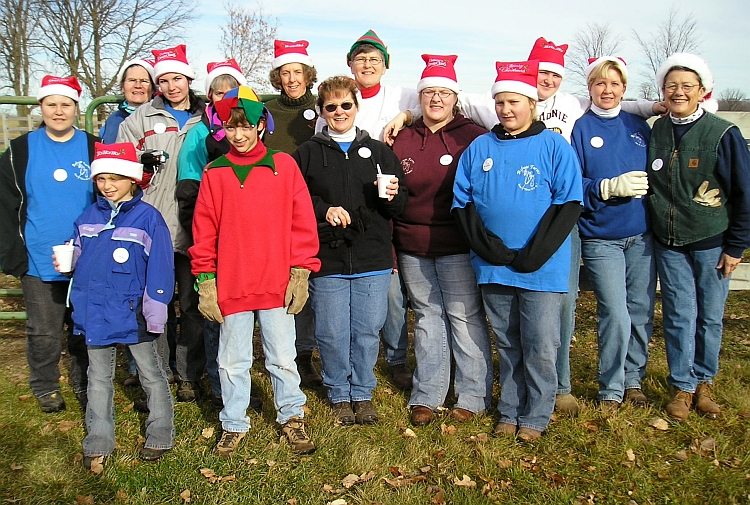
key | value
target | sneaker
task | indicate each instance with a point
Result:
(704, 401)
(308, 375)
(151, 454)
(94, 463)
(187, 391)
(228, 443)
(566, 405)
(294, 431)
(402, 376)
(636, 397)
(132, 381)
(528, 435)
(679, 408)
(343, 413)
(52, 402)
(365, 412)
(420, 415)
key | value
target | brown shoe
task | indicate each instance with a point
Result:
(528, 435)
(343, 413)
(679, 408)
(566, 405)
(132, 381)
(636, 397)
(365, 412)
(462, 415)
(299, 441)
(420, 415)
(704, 401)
(402, 376)
(228, 443)
(505, 429)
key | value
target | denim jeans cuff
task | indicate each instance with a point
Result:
(396, 362)
(532, 426)
(91, 454)
(361, 398)
(235, 426)
(157, 446)
(51, 392)
(634, 385)
(339, 400)
(420, 404)
(609, 398)
(563, 391)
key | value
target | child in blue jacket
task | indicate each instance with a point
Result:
(123, 280)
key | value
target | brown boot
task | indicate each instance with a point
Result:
(704, 401)
(566, 405)
(309, 376)
(679, 408)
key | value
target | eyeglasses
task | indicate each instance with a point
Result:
(430, 93)
(142, 82)
(687, 87)
(243, 129)
(372, 61)
(331, 107)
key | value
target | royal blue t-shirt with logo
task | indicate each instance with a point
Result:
(58, 189)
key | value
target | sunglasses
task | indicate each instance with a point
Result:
(331, 107)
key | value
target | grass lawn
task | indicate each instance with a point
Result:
(588, 460)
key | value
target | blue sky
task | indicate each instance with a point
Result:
(481, 32)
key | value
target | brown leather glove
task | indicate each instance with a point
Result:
(208, 303)
(297, 290)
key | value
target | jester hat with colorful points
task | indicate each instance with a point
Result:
(246, 99)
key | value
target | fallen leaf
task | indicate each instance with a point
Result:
(207, 433)
(425, 469)
(682, 455)
(329, 489)
(447, 430)
(464, 482)
(395, 471)
(630, 454)
(505, 484)
(505, 463)
(708, 445)
(439, 454)
(439, 498)
(16, 466)
(78, 458)
(402, 481)
(338, 501)
(251, 461)
(97, 465)
(291, 501)
(659, 423)
(185, 495)
(270, 463)
(65, 426)
(23, 398)
(744, 414)
(367, 476)
(591, 426)
(350, 480)
(207, 473)
(121, 495)
(409, 433)
(228, 478)
(128, 407)
(272, 446)
(557, 479)
(85, 500)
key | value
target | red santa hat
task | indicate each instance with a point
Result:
(516, 77)
(119, 159)
(65, 86)
(172, 59)
(619, 63)
(549, 56)
(439, 72)
(691, 61)
(148, 65)
(229, 67)
(285, 52)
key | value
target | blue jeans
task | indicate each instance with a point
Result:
(211, 331)
(395, 330)
(623, 275)
(236, 361)
(100, 412)
(693, 293)
(47, 315)
(450, 324)
(348, 315)
(527, 330)
(568, 315)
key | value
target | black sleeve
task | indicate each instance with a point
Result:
(187, 195)
(553, 229)
(486, 244)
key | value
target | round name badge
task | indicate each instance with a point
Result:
(309, 114)
(60, 174)
(120, 255)
(657, 164)
(487, 165)
(596, 142)
(364, 152)
(446, 160)
(160, 128)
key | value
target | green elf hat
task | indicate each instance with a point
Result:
(246, 99)
(370, 38)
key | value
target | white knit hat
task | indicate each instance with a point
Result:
(229, 67)
(148, 65)
(687, 60)
(120, 159)
(172, 59)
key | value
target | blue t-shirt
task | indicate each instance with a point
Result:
(181, 116)
(512, 183)
(58, 189)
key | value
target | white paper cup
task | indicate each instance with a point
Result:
(383, 181)
(64, 256)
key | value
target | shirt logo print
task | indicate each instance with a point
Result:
(638, 139)
(530, 176)
(84, 173)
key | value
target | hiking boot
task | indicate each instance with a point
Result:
(132, 381)
(188, 391)
(704, 401)
(152, 454)
(528, 435)
(609, 407)
(679, 408)
(93, 463)
(636, 397)
(52, 402)
(294, 431)
(308, 375)
(505, 429)
(420, 415)
(228, 443)
(365, 412)
(462, 415)
(566, 405)
(402, 376)
(343, 413)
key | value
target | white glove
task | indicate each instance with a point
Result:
(707, 197)
(633, 183)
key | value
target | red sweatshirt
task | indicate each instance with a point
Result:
(251, 228)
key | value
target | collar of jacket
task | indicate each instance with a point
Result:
(536, 128)
(103, 204)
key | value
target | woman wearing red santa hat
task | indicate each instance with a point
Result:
(433, 256)
(45, 184)
(699, 175)
(136, 80)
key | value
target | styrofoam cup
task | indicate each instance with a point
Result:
(383, 181)
(64, 256)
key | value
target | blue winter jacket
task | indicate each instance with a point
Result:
(124, 272)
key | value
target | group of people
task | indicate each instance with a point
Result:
(296, 213)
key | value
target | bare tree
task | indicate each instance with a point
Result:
(733, 99)
(678, 33)
(93, 38)
(593, 41)
(18, 28)
(248, 38)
